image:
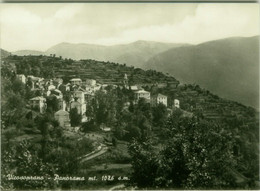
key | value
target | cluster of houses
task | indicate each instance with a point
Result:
(80, 93)
(152, 99)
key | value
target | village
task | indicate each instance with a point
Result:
(81, 94)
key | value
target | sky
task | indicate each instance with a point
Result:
(40, 26)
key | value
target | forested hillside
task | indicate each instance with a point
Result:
(207, 143)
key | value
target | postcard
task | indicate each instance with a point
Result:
(129, 96)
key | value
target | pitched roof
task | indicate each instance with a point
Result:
(38, 98)
(61, 112)
(142, 91)
(76, 79)
(134, 87)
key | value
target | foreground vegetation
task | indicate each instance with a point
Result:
(209, 143)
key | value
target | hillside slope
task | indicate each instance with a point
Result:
(4, 53)
(227, 67)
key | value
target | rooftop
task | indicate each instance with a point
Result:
(61, 112)
(76, 79)
(142, 91)
(38, 98)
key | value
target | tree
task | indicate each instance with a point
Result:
(197, 155)
(44, 123)
(75, 118)
(89, 126)
(131, 107)
(18, 87)
(159, 114)
(36, 71)
(201, 155)
(26, 164)
(52, 104)
(114, 141)
(29, 83)
(9, 134)
(119, 131)
(144, 163)
(15, 102)
(133, 132)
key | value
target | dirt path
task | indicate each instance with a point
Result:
(117, 187)
(94, 155)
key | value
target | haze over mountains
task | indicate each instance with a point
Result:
(28, 52)
(134, 54)
(227, 67)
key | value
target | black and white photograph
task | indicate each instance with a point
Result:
(129, 96)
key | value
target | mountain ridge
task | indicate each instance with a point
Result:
(132, 54)
(4, 53)
(228, 67)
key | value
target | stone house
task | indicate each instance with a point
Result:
(38, 103)
(22, 78)
(76, 81)
(63, 118)
(158, 98)
(142, 94)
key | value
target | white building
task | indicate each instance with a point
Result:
(63, 118)
(133, 88)
(51, 87)
(97, 87)
(38, 103)
(158, 98)
(80, 96)
(22, 78)
(176, 103)
(142, 94)
(93, 89)
(36, 81)
(76, 81)
(90, 82)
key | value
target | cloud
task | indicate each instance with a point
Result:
(210, 22)
(15, 15)
(28, 26)
(68, 11)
